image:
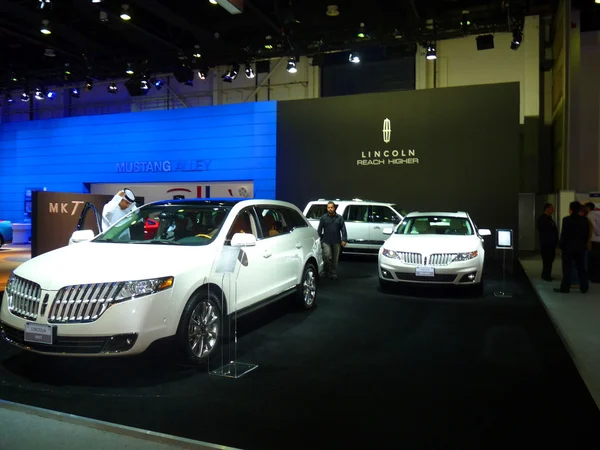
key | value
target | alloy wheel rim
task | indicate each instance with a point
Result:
(309, 287)
(203, 329)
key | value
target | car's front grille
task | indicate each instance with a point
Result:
(441, 259)
(82, 302)
(410, 258)
(24, 298)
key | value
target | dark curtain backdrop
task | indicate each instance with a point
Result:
(461, 146)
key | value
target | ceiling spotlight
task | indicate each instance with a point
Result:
(125, 12)
(112, 88)
(45, 28)
(9, 98)
(97, 1)
(103, 17)
(291, 66)
(516, 40)
(24, 97)
(332, 11)
(39, 94)
(361, 31)
(354, 57)
(50, 95)
(129, 70)
(202, 73)
(144, 84)
(75, 92)
(89, 84)
(431, 52)
(231, 73)
(158, 84)
(49, 52)
(465, 23)
(43, 3)
(67, 72)
(249, 71)
(197, 53)
(213, 2)
(14, 78)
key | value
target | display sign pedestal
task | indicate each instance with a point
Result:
(230, 262)
(504, 243)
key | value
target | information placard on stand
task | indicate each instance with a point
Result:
(229, 263)
(504, 243)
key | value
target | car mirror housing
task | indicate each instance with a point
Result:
(388, 231)
(81, 236)
(485, 232)
(243, 240)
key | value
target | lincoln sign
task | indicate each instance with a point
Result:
(387, 157)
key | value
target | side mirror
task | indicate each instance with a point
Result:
(243, 240)
(485, 232)
(388, 230)
(81, 236)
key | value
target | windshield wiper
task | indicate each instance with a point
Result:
(159, 242)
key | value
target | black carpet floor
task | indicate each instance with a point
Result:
(435, 369)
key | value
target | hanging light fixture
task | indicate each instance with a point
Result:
(125, 12)
(354, 57)
(112, 88)
(431, 52)
(291, 66)
(25, 96)
(45, 28)
(249, 71)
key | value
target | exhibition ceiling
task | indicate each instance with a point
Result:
(58, 41)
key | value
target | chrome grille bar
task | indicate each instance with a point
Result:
(442, 259)
(82, 302)
(410, 258)
(24, 298)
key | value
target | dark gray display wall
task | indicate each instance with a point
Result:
(449, 149)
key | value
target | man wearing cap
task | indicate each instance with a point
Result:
(120, 205)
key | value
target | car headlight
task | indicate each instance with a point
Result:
(465, 256)
(131, 289)
(9, 283)
(390, 253)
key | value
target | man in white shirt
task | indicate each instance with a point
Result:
(120, 205)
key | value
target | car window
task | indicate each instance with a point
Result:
(178, 224)
(382, 214)
(243, 223)
(316, 210)
(293, 218)
(357, 213)
(436, 225)
(272, 221)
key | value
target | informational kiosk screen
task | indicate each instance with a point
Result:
(504, 239)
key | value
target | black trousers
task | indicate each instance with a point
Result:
(548, 256)
(568, 258)
(594, 263)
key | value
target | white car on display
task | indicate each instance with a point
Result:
(433, 248)
(124, 289)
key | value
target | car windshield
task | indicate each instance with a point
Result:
(173, 224)
(458, 226)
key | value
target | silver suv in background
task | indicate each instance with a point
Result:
(365, 221)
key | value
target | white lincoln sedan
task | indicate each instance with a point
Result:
(172, 269)
(433, 248)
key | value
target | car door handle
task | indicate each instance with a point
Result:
(267, 254)
(376, 228)
(298, 245)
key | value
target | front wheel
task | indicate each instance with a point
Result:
(200, 329)
(307, 289)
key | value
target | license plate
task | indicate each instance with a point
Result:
(425, 271)
(42, 334)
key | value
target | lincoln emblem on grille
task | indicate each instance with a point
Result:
(387, 131)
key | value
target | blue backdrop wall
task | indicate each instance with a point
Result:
(220, 143)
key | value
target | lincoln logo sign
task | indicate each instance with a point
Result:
(387, 157)
(387, 131)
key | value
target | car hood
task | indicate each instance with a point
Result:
(428, 243)
(94, 262)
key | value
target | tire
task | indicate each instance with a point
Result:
(201, 327)
(306, 293)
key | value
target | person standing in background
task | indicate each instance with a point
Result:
(119, 206)
(573, 242)
(548, 236)
(332, 231)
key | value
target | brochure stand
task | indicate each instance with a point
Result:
(504, 243)
(229, 263)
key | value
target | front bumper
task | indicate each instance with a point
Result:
(461, 273)
(125, 328)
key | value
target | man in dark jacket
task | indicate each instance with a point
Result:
(548, 235)
(332, 231)
(574, 235)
